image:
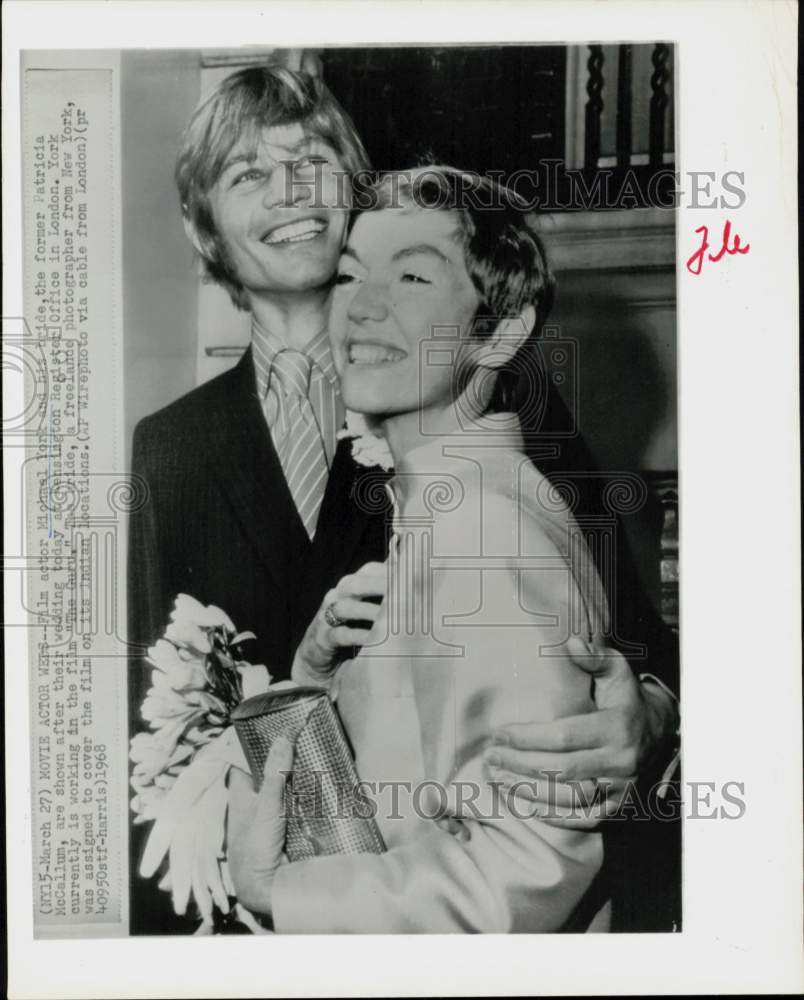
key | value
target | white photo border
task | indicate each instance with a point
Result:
(740, 584)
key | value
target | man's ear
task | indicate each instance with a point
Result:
(510, 334)
(202, 244)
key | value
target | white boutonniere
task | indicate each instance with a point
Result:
(369, 447)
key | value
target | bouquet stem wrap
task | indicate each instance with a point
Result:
(325, 812)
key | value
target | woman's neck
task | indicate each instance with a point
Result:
(296, 319)
(406, 431)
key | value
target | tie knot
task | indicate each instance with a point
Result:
(292, 368)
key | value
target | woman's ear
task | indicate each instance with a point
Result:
(509, 335)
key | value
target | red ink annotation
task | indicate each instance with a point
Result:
(696, 261)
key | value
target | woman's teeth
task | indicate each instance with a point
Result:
(296, 232)
(373, 354)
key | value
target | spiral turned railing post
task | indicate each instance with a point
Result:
(624, 96)
(594, 106)
(658, 102)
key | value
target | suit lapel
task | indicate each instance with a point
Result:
(247, 467)
(355, 504)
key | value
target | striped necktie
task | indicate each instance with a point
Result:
(296, 433)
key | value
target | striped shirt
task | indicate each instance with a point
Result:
(324, 393)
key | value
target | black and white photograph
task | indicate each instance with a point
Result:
(354, 481)
(415, 299)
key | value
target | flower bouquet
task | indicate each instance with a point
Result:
(199, 675)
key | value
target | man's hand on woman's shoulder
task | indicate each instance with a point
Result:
(580, 767)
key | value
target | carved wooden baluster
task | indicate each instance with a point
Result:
(594, 106)
(669, 556)
(658, 102)
(624, 106)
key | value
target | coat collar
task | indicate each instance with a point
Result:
(248, 469)
(355, 505)
(245, 463)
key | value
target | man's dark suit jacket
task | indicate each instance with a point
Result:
(219, 523)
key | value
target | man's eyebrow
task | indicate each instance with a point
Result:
(238, 158)
(251, 157)
(304, 143)
(421, 248)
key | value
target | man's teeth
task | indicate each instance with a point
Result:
(373, 354)
(296, 232)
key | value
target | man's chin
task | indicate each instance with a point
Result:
(302, 270)
(305, 279)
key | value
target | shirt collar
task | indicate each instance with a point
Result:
(320, 353)
(482, 442)
(265, 345)
(493, 430)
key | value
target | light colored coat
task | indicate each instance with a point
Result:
(488, 577)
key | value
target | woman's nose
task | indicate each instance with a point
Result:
(369, 304)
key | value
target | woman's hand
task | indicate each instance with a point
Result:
(317, 655)
(256, 828)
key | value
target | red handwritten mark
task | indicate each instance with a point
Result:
(695, 263)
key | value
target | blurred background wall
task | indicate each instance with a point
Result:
(159, 90)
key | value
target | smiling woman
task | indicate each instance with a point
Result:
(433, 299)
(431, 294)
(401, 277)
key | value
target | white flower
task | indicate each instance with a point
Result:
(255, 679)
(147, 803)
(150, 795)
(162, 704)
(190, 829)
(369, 447)
(187, 633)
(153, 753)
(247, 918)
(180, 766)
(206, 701)
(198, 737)
(191, 622)
(167, 780)
(188, 609)
(182, 670)
(159, 708)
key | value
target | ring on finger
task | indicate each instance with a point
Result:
(330, 617)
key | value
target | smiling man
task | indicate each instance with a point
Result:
(235, 514)
(251, 498)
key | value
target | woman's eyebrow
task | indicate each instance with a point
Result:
(421, 248)
(350, 252)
